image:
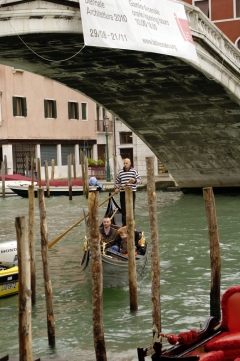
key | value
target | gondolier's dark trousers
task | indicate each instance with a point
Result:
(123, 206)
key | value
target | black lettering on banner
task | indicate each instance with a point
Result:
(120, 18)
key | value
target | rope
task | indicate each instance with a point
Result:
(42, 57)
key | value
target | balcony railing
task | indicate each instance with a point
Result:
(100, 127)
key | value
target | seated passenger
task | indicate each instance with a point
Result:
(108, 234)
(122, 245)
(117, 246)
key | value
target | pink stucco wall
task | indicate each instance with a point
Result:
(37, 88)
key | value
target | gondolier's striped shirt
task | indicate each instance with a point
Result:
(124, 176)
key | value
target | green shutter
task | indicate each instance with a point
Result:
(54, 109)
(14, 101)
(45, 108)
(77, 111)
(69, 110)
(24, 106)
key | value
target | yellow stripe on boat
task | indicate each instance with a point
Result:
(9, 281)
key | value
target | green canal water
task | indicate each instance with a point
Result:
(185, 276)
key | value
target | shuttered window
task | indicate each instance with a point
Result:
(48, 152)
(50, 108)
(19, 106)
(73, 112)
(66, 150)
(84, 111)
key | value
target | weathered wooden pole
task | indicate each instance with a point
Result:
(47, 178)
(26, 165)
(32, 171)
(74, 167)
(24, 291)
(5, 164)
(97, 278)
(132, 274)
(3, 178)
(86, 176)
(52, 171)
(155, 257)
(39, 172)
(215, 257)
(46, 273)
(31, 240)
(83, 171)
(69, 177)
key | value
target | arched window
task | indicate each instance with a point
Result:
(238, 43)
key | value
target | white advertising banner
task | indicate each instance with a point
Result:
(157, 26)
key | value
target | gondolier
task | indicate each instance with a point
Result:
(127, 175)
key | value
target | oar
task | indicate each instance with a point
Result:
(80, 220)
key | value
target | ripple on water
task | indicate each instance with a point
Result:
(185, 276)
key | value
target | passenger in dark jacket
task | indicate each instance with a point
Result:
(107, 233)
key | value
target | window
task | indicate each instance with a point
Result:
(73, 112)
(19, 106)
(84, 111)
(237, 8)
(203, 5)
(50, 108)
(238, 43)
(125, 137)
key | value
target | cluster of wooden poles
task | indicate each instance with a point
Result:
(27, 272)
(71, 173)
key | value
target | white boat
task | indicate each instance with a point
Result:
(9, 184)
(8, 254)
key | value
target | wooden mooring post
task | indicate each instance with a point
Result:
(32, 171)
(86, 176)
(74, 167)
(3, 178)
(39, 172)
(155, 257)
(46, 272)
(31, 240)
(97, 278)
(83, 171)
(47, 178)
(132, 274)
(53, 168)
(24, 292)
(215, 258)
(70, 176)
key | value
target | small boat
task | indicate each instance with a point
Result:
(13, 180)
(217, 341)
(8, 269)
(56, 187)
(54, 190)
(8, 281)
(115, 264)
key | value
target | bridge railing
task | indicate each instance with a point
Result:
(202, 26)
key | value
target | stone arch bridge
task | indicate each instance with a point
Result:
(189, 116)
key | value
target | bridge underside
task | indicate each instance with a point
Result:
(188, 120)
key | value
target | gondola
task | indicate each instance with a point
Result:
(217, 341)
(115, 264)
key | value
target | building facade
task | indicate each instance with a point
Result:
(225, 14)
(40, 118)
